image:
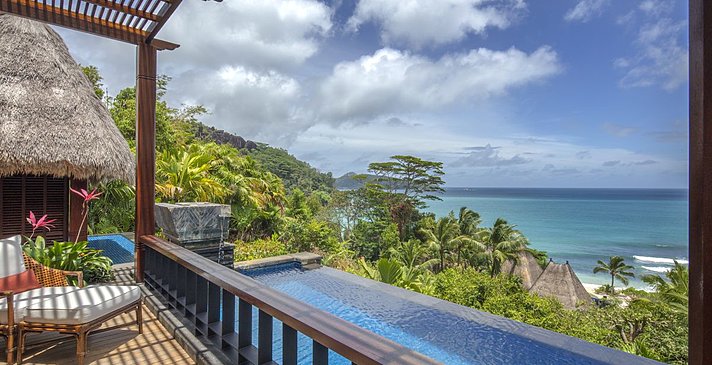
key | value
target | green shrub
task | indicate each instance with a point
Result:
(258, 249)
(72, 256)
(301, 235)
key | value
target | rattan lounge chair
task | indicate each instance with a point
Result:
(56, 306)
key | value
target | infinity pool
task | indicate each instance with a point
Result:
(114, 246)
(446, 332)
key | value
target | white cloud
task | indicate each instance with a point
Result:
(259, 105)
(426, 22)
(586, 10)
(488, 156)
(261, 34)
(662, 56)
(535, 160)
(394, 81)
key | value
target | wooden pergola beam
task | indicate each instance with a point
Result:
(145, 150)
(165, 14)
(86, 20)
(109, 4)
(700, 193)
(78, 21)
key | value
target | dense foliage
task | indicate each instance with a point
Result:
(71, 256)
(379, 230)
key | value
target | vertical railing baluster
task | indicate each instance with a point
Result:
(289, 345)
(214, 311)
(264, 338)
(320, 354)
(228, 319)
(172, 283)
(201, 305)
(181, 282)
(244, 323)
(190, 294)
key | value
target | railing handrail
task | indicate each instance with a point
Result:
(357, 344)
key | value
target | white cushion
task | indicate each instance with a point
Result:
(11, 261)
(35, 296)
(83, 305)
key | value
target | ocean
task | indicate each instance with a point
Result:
(648, 227)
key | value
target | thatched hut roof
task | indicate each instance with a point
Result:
(51, 121)
(560, 281)
(526, 267)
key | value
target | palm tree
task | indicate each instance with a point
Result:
(617, 268)
(413, 256)
(502, 242)
(442, 237)
(186, 175)
(467, 222)
(674, 291)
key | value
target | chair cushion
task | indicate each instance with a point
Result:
(11, 261)
(82, 305)
(19, 283)
(22, 300)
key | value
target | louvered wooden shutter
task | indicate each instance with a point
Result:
(40, 194)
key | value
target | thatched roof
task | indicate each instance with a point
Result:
(51, 122)
(560, 281)
(526, 267)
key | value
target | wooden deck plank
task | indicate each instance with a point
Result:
(122, 346)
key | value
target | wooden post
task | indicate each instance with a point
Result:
(75, 212)
(145, 149)
(700, 305)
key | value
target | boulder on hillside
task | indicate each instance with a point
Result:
(250, 145)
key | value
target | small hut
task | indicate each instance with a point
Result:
(526, 267)
(55, 133)
(560, 281)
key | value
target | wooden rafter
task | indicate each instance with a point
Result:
(133, 21)
(109, 4)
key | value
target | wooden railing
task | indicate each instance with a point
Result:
(207, 294)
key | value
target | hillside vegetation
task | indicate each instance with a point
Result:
(378, 230)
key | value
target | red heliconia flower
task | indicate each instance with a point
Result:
(41, 223)
(86, 195)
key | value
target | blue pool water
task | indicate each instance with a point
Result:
(444, 331)
(116, 247)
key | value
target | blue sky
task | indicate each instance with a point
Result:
(515, 93)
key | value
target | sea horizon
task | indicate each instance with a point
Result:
(647, 226)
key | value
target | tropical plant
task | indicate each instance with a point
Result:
(468, 222)
(418, 179)
(87, 197)
(42, 223)
(114, 212)
(71, 256)
(185, 175)
(501, 242)
(617, 268)
(675, 290)
(392, 272)
(442, 238)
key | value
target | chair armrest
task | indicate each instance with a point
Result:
(78, 274)
(8, 295)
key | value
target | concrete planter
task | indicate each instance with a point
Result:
(194, 223)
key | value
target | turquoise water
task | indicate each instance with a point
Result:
(648, 227)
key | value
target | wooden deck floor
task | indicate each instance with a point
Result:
(122, 346)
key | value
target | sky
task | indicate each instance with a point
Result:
(506, 93)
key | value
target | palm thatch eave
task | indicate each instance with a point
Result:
(51, 121)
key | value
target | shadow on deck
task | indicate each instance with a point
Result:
(123, 346)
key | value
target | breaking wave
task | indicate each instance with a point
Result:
(659, 260)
